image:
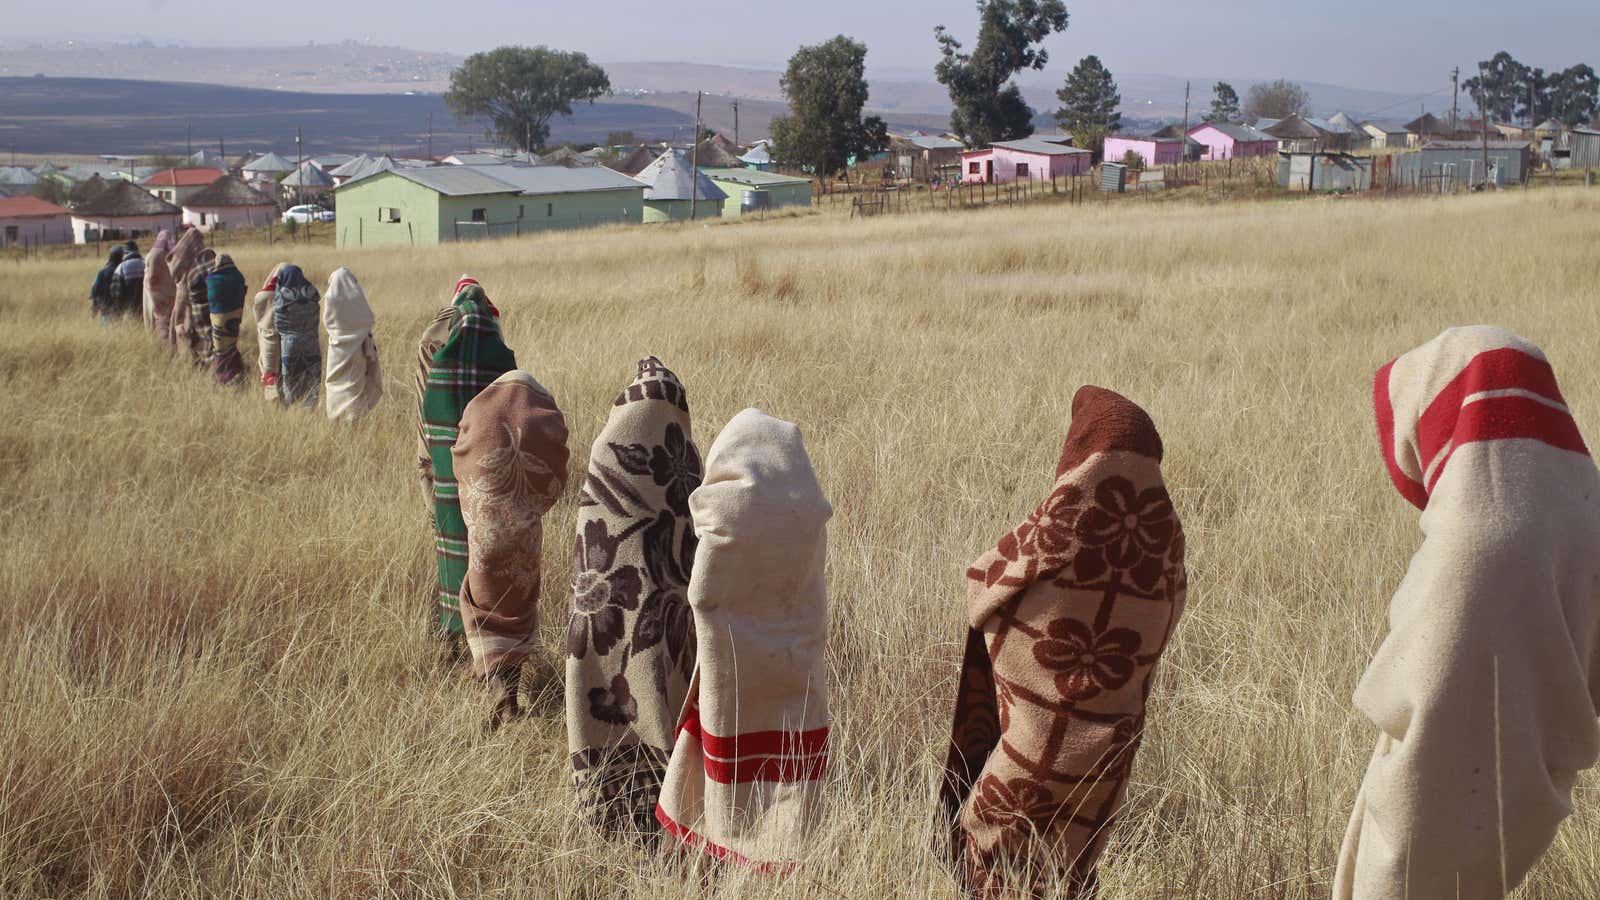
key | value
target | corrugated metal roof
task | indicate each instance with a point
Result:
(671, 177)
(269, 162)
(454, 181)
(1477, 145)
(753, 177)
(17, 176)
(1238, 132)
(363, 166)
(308, 176)
(534, 180)
(1033, 145)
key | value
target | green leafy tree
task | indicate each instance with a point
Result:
(1090, 100)
(826, 87)
(1500, 86)
(1574, 95)
(520, 89)
(1275, 100)
(1224, 104)
(988, 104)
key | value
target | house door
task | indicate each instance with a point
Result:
(988, 171)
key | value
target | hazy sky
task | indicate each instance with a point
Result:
(1404, 46)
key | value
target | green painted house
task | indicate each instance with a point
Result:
(670, 182)
(781, 190)
(441, 204)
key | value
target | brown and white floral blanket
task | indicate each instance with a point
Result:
(511, 465)
(745, 780)
(1069, 615)
(630, 635)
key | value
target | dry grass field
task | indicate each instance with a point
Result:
(212, 680)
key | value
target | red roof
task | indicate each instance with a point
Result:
(183, 178)
(19, 207)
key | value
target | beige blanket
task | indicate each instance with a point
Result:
(268, 347)
(745, 779)
(1483, 691)
(353, 381)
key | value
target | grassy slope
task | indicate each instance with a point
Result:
(212, 682)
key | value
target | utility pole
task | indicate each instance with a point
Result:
(694, 159)
(430, 136)
(1483, 122)
(1183, 155)
(188, 141)
(299, 170)
(736, 123)
(1455, 96)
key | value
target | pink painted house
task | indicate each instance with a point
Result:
(28, 221)
(1225, 140)
(1154, 151)
(1027, 159)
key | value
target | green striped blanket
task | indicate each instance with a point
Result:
(472, 357)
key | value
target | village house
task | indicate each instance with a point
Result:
(1153, 151)
(122, 210)
(671, 185)
(1227, 140)
(715, 153)
(29, 221)
(266, 169)
(308, 183)
(1303, 134)
(759, 158)
(1384, 137)
(1004, 162)
(636, 161)
(228, 203)
(441, 204)
(1461, 163)
(177, 185)
(752, 191)
(925, 156)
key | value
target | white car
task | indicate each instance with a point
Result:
(310, 212)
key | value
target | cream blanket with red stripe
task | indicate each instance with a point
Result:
(1483, 691)
(744, 780)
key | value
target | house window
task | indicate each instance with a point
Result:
(1022, 170)
(480, 215)
(11, 234)
(549, 210)
(202, 218)
(972, 169)
(388, 214)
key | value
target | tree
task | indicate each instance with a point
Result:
(621, 139)
(1090, 101)
(519, 89)
(1500, 86)
(1276, 100)
(988, 104)
(1574, 95)
(1224, 104)
(826, 87)
(51, 189)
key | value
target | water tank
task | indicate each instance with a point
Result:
(755, 200)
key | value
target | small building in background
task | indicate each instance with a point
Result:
(177, 185)
(1327, 171)
(1026, 159)
(635, 162)
(758, 157)
(18, 178)
(1384, 136)
(266, 169)
(29, 221)
(751, 191)
(309, 182)
(1583, 146)
(422, 206)
(361, 167)
(1462, 162)
(1153, 151)
(1303, 134)
(671, 185)
(122, 210)
(715, 153)
(1228, 140)
(228, 203)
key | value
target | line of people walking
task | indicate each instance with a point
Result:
(193, 300)
(697, 706)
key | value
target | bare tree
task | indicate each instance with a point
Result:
(1275, 100)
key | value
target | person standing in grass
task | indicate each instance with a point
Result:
(185, 255)
(268, 351)
(225, 290)
(294, 318)
(354, 378)
(127, 284)
(511, 463)
(471, 358)
(100, 291)
(159, 288)
(195, 326)
(1483, 692)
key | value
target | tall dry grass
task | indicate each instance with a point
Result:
(212, 682)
